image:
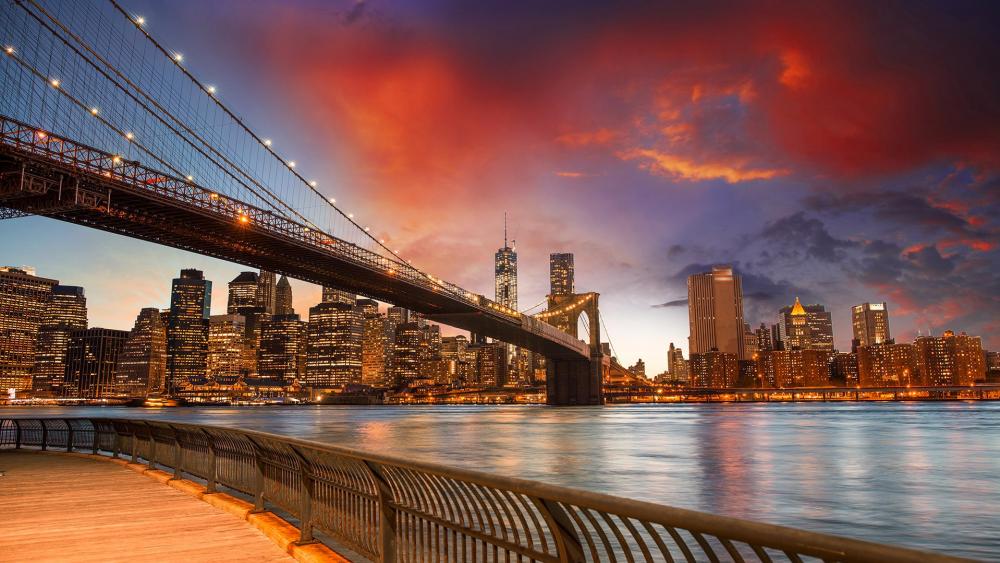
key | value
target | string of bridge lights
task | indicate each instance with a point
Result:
(566, 307)
(177, 59)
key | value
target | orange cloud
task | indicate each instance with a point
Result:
(796, 69)
(673, 166)
(571, 174)
(585, 138)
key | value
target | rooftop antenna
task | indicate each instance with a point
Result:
(505, 229)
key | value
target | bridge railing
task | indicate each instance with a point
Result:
(392, 509)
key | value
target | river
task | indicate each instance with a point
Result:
(921, 474)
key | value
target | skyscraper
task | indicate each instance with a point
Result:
(242, 293)
(187, 328)
(266, 287)
(505, 273)
(142, 363)
(66, 312)
(406, 354)
(805, 327)
(677, 366)
(561, 274)
(870, 322)
(24, 300)
(91, 362)
(283, 297)
(376, 357)
(715, 312)
(231, 352)
(334, 343)
(282, 350)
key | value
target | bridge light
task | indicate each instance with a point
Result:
(211, 90)
(350, 216)
(214, 196)
(244, 219)
(267, 142)
(55, 82)
(313, 183)
(190, 178)
(94, 111)
(291, 164)
(381, 241)
(333, 200)
(178, 57)
(140, 21)
(129, 136)
(367, 229)
(9, 50)
(116, 159)
(41, 135)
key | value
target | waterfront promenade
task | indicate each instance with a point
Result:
(59, 507)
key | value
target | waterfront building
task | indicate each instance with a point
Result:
(714, 369)
(282, 353)
(266, 289)
(283, 297)
(806, 327)
(950, 359)
(677, 366)
(187, 329)
(242, 293)
(749, 342)
(398, 315)
(334, 349)
(333, 295)
(24, 300)
(801, 368)
(638, 369)
(992, 365)
(870, 322)
(844, 369)
(66, 312)
(91, 362)
(231, 353)
(765, 364)
(376, 357)
(887, 365)
(491, 365)
(142, 362)
(715, 312)
(454, 353)
(561, 274)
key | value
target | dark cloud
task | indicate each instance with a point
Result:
(674, 303)
(355, 13)
(800, 236)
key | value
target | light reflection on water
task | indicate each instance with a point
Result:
(920, 474)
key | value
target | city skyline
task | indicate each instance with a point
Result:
(877, 209)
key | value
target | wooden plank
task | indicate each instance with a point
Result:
(65, 508)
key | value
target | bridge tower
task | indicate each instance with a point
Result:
(575, 381)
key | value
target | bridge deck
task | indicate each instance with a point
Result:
(64, 508)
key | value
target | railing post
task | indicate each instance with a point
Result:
(69, 435)
(17, 434)
(135, 447)
(210, 487)
(151, 462)
(97, 437)
(45, 435)
(178, 455)
(386, 514)
(305, 501)
(258, 486)
(567, 543)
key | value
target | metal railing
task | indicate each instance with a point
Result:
(390, 509)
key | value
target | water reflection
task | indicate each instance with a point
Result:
(921, 474)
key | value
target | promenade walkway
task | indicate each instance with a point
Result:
(58, 507)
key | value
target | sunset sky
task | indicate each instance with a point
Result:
(840, 152)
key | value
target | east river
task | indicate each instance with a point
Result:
(919, 474)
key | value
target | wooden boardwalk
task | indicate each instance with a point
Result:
(64, 508)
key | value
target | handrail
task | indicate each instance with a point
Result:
(387, 508)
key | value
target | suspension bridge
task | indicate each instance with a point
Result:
(103, 125)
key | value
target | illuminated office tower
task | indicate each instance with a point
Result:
(242, 293)
(334, 348)
(491, 365)
(805, 327)
(677, 366)
(331, 295)
(231, 352)
(505, 273)
(66, 312)
(561, 274)
(142, 362)
(406, 354)
(266, 288)
(91, 362)
(187, 329)
(870, 322)
(715, 312)
(453, 353)
(282, 351)
(283, 297)
(376, 357)
(24, 300)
